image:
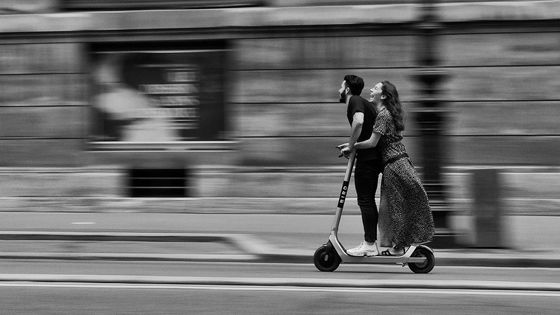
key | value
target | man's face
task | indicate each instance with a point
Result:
(343, 91)
(375, 93)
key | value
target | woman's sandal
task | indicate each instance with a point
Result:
(396, 252)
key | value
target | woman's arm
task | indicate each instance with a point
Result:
(369, 143)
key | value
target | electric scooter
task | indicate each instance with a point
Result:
(419, 258)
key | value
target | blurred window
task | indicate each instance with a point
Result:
(157, 93)
(158, 183)
(85, 5)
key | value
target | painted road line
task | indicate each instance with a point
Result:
(291, 282)
(438, 292)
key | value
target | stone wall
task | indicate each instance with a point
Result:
(285, 66)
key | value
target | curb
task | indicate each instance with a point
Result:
(441, 259)
(119, 236)
(244, 243)
(129, 257)
(251, 248)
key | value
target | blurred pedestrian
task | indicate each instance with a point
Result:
(361, 116)
(402, 195)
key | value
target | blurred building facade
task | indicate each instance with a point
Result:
(106, 101)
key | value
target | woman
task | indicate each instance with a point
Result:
(403, 196)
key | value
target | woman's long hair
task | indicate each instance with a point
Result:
(393, 104)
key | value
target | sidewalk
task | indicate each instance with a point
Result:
(286, 238)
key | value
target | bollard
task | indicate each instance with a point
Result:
(487, 208)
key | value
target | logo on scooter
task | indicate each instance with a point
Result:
(343, 193)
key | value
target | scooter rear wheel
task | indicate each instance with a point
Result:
(326, 258)
(426, 266)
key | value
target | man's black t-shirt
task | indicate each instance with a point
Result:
(359, 104)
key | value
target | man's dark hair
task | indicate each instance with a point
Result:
(354, 83)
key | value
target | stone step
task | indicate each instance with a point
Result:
(511, 206)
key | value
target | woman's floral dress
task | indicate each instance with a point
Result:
(405, 214)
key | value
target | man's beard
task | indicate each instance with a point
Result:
(342, 97)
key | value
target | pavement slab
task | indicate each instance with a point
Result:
(286, 238)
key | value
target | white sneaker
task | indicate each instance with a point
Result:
(364, 249)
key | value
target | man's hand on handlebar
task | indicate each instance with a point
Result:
(344, 150)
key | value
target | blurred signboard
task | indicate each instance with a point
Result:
(28, 6)
(157, 95)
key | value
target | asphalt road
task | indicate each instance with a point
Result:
(61, 298)
(103, 287)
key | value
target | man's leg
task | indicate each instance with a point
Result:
(365, 180)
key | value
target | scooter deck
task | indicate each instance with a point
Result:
(348, 259)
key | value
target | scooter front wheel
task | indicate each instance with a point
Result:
(427, 265)
(326, 258)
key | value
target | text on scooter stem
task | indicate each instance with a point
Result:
(343, 193)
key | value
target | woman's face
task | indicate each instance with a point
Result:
(375, 93)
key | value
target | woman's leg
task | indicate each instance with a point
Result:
(412, 204)
(384, 222)
(394, 212)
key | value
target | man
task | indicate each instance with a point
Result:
(361, 116)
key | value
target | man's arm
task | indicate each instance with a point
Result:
(357, 123)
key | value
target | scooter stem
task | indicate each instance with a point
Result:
(343, 192)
